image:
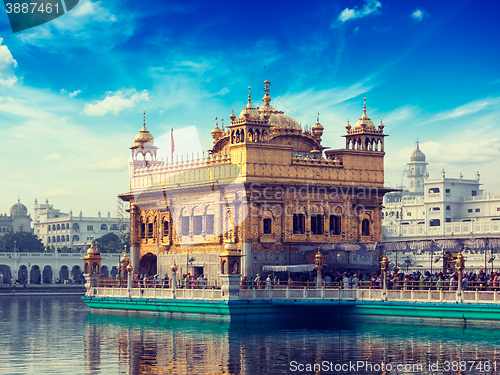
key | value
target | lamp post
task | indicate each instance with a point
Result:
(15, 248)
(319, 261)
(384, 267)
(460, 265)
(173, 268)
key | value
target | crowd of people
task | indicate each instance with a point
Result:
(396, 280)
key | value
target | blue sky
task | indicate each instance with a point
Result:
(72, 91)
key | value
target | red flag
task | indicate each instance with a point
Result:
(172, 148)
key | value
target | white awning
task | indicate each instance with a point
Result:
(294, 268)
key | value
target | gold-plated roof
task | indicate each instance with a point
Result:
(277, 119)
(249, 111)
(92, 250)
(317, 128)
(217, 132)
(365, 122)
(144, 136)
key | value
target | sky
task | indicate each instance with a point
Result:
(73, 91)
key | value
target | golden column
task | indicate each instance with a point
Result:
(460, 266)
(319, 261)
(384, 267)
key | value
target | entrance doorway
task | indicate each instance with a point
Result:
(198, 271)
(147, 265)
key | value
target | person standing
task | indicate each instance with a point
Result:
(355, 281)
(268, 282)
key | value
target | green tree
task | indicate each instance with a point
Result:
(25, 242)
(111, 243)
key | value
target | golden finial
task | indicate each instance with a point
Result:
(267, 86)
(249, 96)
(317, 118)
(144, 123)
(222, 121)
(216, 123)
(364, 106)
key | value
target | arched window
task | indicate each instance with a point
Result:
(448, 208)
(76, 238)
(53, 227)
(209, 220)
(58, 226)
(48, 239)
(224, 267)
(63, 238)
(67, 237)
(21, 228)
(67, 225)
(76, 226)
(58, 238)
(114, 226)
(365, 227)
(267, 223)
(53, 238)
(104, 227)
(48, 227)
(234, 267)
(382, 215)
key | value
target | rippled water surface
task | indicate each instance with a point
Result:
(59, 335)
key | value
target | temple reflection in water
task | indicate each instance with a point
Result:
(151, 345)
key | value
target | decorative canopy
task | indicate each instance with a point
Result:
(294, 268)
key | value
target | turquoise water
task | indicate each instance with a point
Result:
(59, 335)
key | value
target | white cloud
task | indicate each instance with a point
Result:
(116, 102)
(467, 109)
(74, 93)
(53, 157)
(71, 94)
(94, 26)
(7, 62)
(370, 7)
(418, 14)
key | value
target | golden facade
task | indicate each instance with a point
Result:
(268, 186)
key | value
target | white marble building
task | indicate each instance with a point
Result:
(439, 208)
(57, 229)
(17, 221)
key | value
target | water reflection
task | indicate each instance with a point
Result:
(60, 335)
(147, 344)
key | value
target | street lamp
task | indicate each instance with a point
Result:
(15, 248)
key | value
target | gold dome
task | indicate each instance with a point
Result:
(92, 250)
(417, 155)
(249, 111)
(144, 136)
(317, 129)
(277, 119)
(365, 122)
(217, 132)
